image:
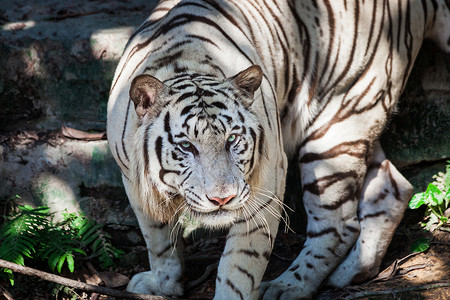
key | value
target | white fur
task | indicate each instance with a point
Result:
(330, 82)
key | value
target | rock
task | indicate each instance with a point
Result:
(59, 59)
(420, 129)
(59, 176)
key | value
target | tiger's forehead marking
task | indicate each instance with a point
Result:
(184, 81)
(205, 104)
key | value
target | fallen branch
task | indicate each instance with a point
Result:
(365, 294)
(5, 293)
(76, 284)
(82, 135)
(391, 271)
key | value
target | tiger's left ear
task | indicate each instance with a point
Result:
(248, 81)
(145, 92)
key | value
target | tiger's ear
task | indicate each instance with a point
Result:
(144, 92)
(249, 80)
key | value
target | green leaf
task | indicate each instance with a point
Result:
(417, 201)
(61, 261)
(435, 199)
(95, 245)
(420, 245)
(53, 261)
(79, 251)
(433, 189)
(70, 262)
(10, 275)
(85, 229)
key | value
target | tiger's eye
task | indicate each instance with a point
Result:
(231, 138)
(185, 144)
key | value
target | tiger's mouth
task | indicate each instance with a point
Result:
(220, 217)
(217, 212)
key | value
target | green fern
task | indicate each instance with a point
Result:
(104, 250)
(20, 235)
(92, 236)
(63, 292)
(58, 247)
(31, 234)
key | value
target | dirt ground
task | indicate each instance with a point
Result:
(421, 276)
(405, 276)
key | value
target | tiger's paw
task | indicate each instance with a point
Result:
(156, 283)
(278, 289)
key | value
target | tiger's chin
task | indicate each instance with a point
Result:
(220, 218)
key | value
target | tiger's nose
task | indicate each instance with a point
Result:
(220, 201)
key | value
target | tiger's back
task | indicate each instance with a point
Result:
(200, 133)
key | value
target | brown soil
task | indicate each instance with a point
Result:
(422, 276)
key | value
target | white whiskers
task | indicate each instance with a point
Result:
(277, 214)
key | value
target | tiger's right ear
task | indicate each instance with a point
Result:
(144, 92)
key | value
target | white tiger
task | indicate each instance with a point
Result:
(209, 96)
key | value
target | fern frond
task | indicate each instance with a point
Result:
(58, 247)
(20, 235)
(105, 251)
(31, 234)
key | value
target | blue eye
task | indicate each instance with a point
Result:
(185, 145)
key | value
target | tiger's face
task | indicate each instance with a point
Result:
(200, 143)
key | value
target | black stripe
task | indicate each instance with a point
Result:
(250, 276)
(234, 289)
(123, 131)
(219, 105)
(372, 215)
(252, 159)
(184, 96)
(322, 232)
(247, 252)
(202, 38)
(186, 110)
(293, 268)
(120, 158)
(167, 248)
(319, 186)
(146, 144)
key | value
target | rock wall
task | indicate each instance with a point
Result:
(57, 64)
(417, 139)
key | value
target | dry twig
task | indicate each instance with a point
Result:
(365, 294)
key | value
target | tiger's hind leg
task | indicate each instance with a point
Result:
(382, 203)
(333, 172)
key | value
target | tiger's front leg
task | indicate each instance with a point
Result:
(165, 256)
(332, 180)
(247, 251)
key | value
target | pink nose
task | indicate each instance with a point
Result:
(221, 201)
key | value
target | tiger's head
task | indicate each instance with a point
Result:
(197, 146)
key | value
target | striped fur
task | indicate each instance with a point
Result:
(210, 95)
